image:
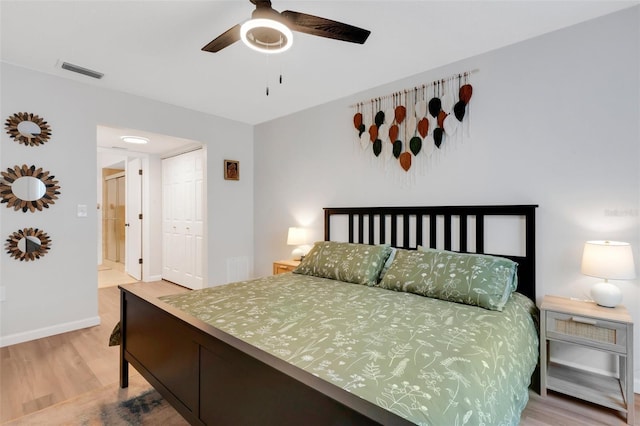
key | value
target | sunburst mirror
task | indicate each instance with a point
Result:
(28, 128)
(28, 244)
(28, 188)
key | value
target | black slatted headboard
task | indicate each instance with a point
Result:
(404, 227)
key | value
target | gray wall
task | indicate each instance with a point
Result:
(59, 292)
(554, 122)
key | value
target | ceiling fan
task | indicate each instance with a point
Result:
(269, 31)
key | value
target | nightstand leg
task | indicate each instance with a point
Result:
(629, 396)
(543, 356)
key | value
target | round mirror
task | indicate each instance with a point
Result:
(28, 188)
(28, 244)
(28, 129)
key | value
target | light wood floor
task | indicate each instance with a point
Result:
(43, 372)
(37, 374)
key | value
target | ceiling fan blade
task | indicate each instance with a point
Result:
(223, 40)
(323, 27)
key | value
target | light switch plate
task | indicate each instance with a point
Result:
(82, 210)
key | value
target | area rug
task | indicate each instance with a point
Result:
(139, 404)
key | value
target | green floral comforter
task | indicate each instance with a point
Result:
(433, 362)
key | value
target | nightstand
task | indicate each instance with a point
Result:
(282, 266)
(586, 324)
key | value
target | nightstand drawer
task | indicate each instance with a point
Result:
(281, 269)
(282, 266)
(588, 331)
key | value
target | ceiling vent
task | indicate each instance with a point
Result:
(80, 70)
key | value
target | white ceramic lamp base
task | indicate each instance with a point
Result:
(606, 294)
(297, 253)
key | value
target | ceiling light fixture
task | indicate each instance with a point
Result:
(266, 35)
(134, 139)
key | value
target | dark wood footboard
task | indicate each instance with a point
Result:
(213, 378)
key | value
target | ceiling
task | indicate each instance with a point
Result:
(111, 138)
(152, 48)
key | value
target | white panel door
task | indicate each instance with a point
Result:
(183, 219)
(133, 224)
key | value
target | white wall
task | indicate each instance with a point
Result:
(554, 122)
(59, 292)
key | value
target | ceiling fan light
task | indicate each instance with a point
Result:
(266, 35)
(135, 139)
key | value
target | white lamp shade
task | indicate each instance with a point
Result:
(297, 237)
(611, 260)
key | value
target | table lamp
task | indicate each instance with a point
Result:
(298, 237)
(611, 260)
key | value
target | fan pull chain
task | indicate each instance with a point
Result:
(280, 76)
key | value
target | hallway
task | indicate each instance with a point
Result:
(112, 274)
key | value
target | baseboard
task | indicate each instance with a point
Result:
(39, 333)
(152, 278)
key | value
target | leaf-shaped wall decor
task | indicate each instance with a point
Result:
(414, 122)
(465, 93)
(383, 132)
(429, 145)
(373, 132)
(411, 125)
(393, 133)
(415, 145)
(400, 113)
(364, 140)
(423, 127)
(397, 148)
(405, 161)
(377, 147)
(357, 120)
(441, 118)
(437, 136)
(451, 124)
(435, 105)
(459, 110)
(389, 115)
(447, 101)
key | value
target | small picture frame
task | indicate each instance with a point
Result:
(231, 170)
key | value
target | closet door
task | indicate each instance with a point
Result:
(183, 219)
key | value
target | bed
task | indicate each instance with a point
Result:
(347, 343)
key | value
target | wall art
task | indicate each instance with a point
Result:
(231, 170)
(414, 123)
(28, 129)
(28, 188)
(28, 244)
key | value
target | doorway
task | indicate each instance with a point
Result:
(113, 270)
(113, 219)
(146, 159)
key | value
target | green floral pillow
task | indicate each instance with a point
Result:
(354, 263)
(472, 279)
